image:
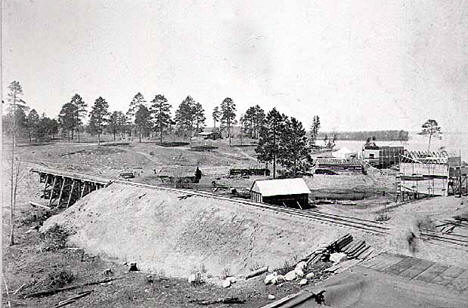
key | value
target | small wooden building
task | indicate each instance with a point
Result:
(382, 156)
(285, 192)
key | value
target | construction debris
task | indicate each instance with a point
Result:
(73, 299)
(226, 300)
(257, 272)
(54, 291)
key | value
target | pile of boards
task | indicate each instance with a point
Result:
(447, 226)
(354, 249)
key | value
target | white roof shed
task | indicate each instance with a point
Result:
(280, 187)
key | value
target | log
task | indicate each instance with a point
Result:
(72, 299)
(257, 272)
(226, 300)
(34, 204)
(54, 291)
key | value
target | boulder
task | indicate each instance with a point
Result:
(301, 265)
(290, 276)
(310, 275)
(271, 296)
(226, 283)
(299, 273)
(192, 278)
(303, 282)
(270, 278)
(231, 279)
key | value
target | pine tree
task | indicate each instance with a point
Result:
(294, 153)
(228, 115)
(199, 117)
(270, 137)
(216, 116)
(117, 123)
(161, 111)
(67, 119)
(99, 117)
(185, 117)
(314, 130)
(431, 129)
(32, 124)
(80, 112)
(137, 100)
(142, 120)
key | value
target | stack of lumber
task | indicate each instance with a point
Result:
(357, 250)
(354, 249)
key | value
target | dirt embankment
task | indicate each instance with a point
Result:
(173, 233)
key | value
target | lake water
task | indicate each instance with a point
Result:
(453, 143)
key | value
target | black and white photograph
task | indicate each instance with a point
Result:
(251, 153)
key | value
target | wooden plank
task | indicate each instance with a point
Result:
(417, 269)
(83, 189)
(448, 275)
(460, 283)
(400, 267)
(61, 190)
(432, 272)
(45, 185)
(71, 193)
(52, 190)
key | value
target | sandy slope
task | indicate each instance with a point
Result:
(162, 233)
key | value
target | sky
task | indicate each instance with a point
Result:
(359, 65)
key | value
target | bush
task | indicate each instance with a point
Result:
(60, 279)
(55, 238)
(382, 217)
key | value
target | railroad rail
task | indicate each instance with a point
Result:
(58, 187)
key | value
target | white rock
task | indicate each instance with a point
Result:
(192, 278)
(290, 276)
(310, 275)
(303, 282)
(269, 278)
(337, 257)
(271, 296)
(299, 273)
(279, 278)
(301, 265)
(232, 279)
(226, 283)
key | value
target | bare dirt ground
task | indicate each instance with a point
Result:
(30, 264)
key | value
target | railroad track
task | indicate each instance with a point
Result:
(334, 219)
(326, 218)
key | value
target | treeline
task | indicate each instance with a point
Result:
(380, 135)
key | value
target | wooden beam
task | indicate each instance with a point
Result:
(45, 185)
(61, 190)
(71, 193)
(83, 189)
(52, 190)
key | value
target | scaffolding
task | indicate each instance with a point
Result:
(424, 173)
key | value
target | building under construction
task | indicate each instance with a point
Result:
(424, 173)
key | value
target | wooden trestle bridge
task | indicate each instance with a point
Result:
(62, 189)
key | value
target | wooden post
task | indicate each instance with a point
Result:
(52, 190)
(83, 189)
(64, 179)
(45, 185)
(71, 193)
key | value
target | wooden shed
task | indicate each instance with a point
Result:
(285, 192)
